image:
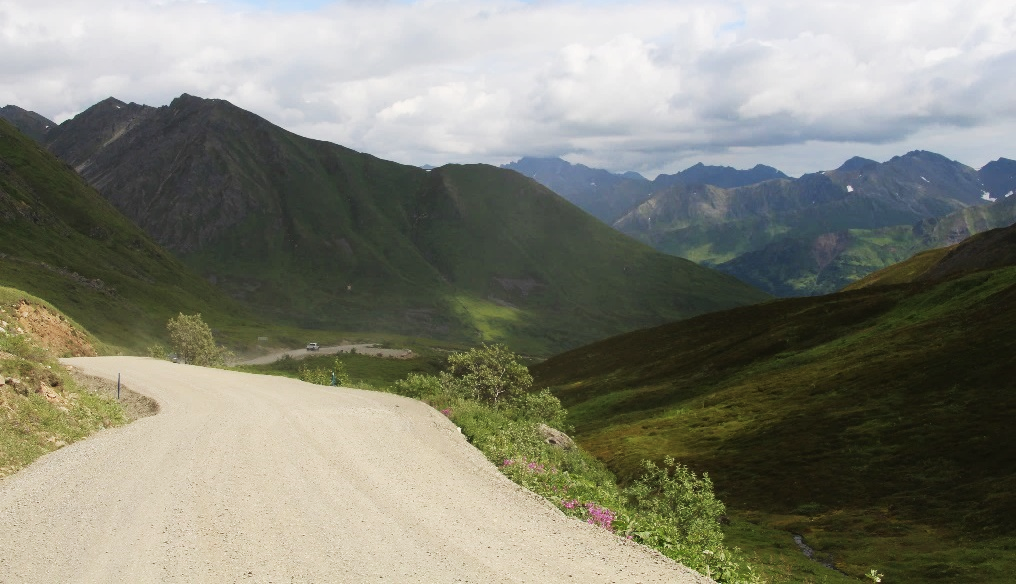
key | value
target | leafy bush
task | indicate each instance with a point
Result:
(676, 513)
(419, 386)
(542, 407)
(192, 340)
(157, 351)
(322, 376)
(493, 372)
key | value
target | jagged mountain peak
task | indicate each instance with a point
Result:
(721, 176)
(31, 124)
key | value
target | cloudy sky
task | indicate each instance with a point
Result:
(646, 85)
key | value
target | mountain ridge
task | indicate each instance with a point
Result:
(33, 125)
(333, 237)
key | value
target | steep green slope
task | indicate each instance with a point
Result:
(876, 422)
(321, 236)
(64, 242)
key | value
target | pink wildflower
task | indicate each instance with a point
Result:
(600, 516)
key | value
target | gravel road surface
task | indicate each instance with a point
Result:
(363, 349)
(248, 478)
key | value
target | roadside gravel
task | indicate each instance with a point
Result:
(249, 478)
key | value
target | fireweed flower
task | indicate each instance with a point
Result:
(600, 516)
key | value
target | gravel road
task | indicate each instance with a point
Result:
(363, 349)
(249, 478)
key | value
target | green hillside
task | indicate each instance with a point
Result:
(320, 236)
(876, 422)
(62, 241)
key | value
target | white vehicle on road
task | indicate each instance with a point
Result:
(313, 346)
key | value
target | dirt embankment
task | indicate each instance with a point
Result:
(47, 328)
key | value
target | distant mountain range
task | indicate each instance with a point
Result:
(317, 235)
(810, 235)
(607, 196)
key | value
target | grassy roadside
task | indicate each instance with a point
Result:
(42, 406)
(669, 508)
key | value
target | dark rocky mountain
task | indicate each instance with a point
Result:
(64, 242)
(29, 123)
(858, 164)
(999, 178)
(831, 261)
(721, 176)
(324, 236)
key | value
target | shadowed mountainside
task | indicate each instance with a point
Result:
(62, 241)
(876, 422)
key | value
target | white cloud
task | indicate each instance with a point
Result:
(648, 85)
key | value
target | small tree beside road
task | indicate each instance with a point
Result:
(493, 372)
(192, 341)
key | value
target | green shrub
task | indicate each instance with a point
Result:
(677, 513)
(22, 346)
(335, 376)
(493, 372)
(157, 351)
(192, 340)
(419, 386)
(541, 407)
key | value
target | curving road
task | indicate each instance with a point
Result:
(248, 478)
(363, 349)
